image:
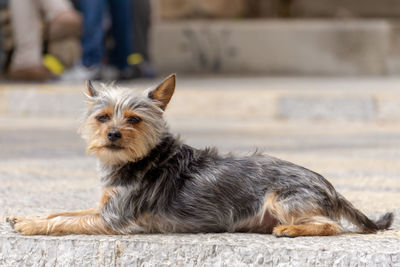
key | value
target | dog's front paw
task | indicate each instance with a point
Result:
(25, 226)
(12, 220)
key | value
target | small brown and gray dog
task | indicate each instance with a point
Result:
(153, 183)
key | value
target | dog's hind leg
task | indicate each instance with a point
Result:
(312, 228)
(305, 221)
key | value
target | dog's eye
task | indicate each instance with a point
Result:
(103, 118)
(133, 120)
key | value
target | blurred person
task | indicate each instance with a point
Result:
(124, 61)
(62, 21)
(93, 38)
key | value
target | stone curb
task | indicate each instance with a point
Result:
(199, 250)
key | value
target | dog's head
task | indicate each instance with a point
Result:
(123, 125)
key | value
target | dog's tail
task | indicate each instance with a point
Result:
(361, 220)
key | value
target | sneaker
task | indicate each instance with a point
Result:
(81, 73)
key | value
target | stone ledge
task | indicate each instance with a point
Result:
(199, 249)
(278, 47)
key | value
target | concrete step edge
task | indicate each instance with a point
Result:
(198, 249)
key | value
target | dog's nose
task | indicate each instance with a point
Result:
(114, 135)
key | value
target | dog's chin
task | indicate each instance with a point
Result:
(113, 155)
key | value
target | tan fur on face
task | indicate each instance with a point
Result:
(98, 141)
(130, 113)
(119, 104)
(136, 138)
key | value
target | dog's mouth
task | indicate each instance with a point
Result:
(114, 147)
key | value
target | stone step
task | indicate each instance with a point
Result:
(279, 47)
(200, 250)
(229, 98)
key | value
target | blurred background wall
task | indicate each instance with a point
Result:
(280, 37)
(256, 37)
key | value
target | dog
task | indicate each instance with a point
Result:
(154, 183)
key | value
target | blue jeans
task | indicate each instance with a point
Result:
(94, 13)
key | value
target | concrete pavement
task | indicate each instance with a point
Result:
(43, 168)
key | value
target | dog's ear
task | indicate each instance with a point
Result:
(90, 90)
(163, 92)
